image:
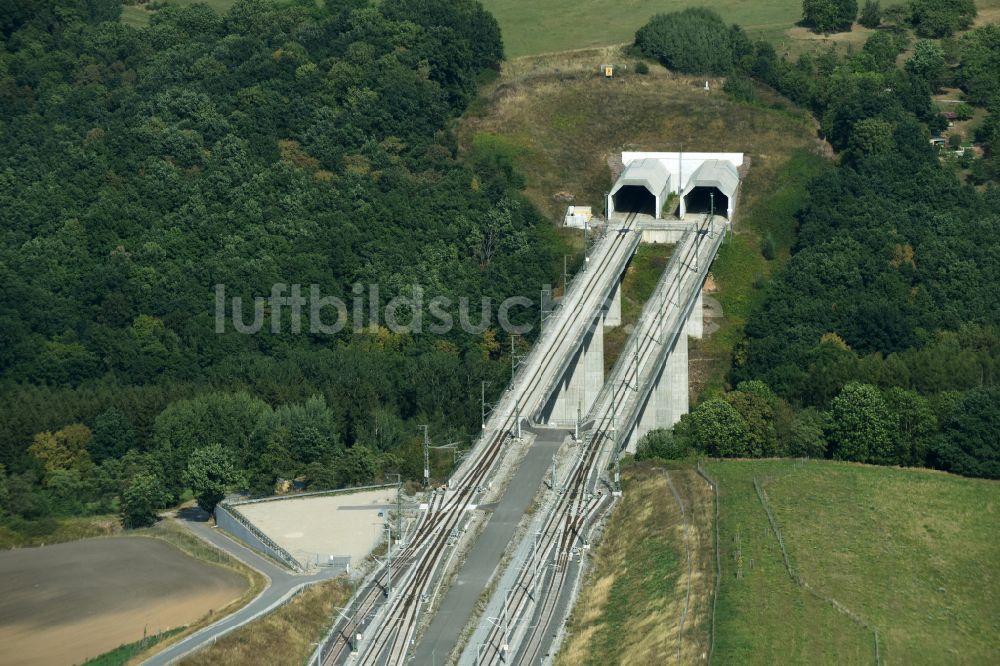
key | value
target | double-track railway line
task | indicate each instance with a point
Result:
(535, 599)
(386, 610)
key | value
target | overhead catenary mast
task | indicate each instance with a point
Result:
(427, 458)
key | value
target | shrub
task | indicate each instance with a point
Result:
(808, 437)
(768, 248)
(871, 14)
(828, 16)
(641, 68)
(694, 40)
(661, 443)
(740, 88)
(940, 18)
(963, 111)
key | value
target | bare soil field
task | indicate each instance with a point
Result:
(65, 603)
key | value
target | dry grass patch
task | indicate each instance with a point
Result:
(632, 601)
(561, 121)
(285, 637)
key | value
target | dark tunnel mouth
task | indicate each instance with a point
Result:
(635, 198)
(699, 200)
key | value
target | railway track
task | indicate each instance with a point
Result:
(392, 599)
(568, 518)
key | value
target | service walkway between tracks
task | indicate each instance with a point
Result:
(453, 614)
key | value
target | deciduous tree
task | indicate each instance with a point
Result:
(211, 473)
(142, 496)
(861, 425)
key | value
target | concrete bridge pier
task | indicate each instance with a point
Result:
(669, 398)
(696, 320)
(613, 307)
(582, 381)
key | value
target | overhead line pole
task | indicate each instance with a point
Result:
(427, 458)
(399, 507)
(483, 399)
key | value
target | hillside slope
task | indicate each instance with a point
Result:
(911, 553)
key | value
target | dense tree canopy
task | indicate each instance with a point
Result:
(879, 337)
(828, 16)
(979, 65)
(941, 18)
(885, 308)
(694, 40)
(280, 143)
(871, 14)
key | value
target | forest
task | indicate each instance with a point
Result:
(278, 143)
(286, 143)
(879, 340)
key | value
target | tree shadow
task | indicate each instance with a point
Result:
(194, 514)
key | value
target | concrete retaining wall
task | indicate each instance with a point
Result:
(232, 521)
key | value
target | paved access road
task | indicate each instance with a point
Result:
(281, 585)
(454, 612)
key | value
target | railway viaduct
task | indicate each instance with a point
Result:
(560, 384)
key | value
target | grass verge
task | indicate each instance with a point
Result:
(122, 654)
(286, 636)
(632, 601)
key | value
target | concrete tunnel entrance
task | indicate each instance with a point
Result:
(700, 201)
(635, 199)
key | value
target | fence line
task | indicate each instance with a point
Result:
(718, 559)
(762, 496)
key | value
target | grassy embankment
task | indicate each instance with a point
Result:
(911, 553)
(634, 597)
(123, 654)
(286, 636)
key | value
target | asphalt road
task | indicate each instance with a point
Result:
(455, 610)
(282, 584)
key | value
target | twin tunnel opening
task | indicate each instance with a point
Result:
(700, 200)
(635, 199)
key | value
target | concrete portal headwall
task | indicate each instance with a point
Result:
(682, 166)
